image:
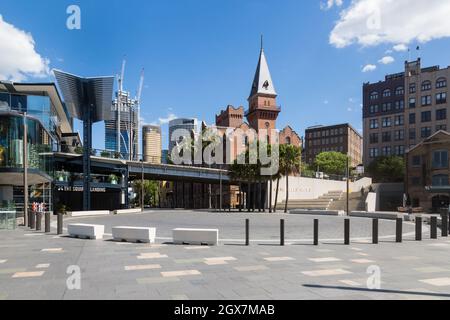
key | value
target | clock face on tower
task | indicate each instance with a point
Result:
(266, 85)
(267, 125)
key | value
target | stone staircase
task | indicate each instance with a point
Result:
(322, 203)
(356, 202)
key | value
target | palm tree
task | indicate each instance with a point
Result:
(290, 161)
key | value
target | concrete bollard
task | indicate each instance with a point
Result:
(282, 232)
(398, 230)
(418, 228)
(316, 232)
(375, 231)
(38, 221)
(47, 222)
(347, 232)
(33, 220)
(60, 223)
(444, 227)
(433, 228)
(247, 232)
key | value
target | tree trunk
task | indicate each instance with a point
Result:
(254, 197)
(249, 196)
(259, 196)
(276, 196)
(240, 196)
(287, 193)
(270, 195)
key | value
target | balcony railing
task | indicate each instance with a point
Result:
(263, 108)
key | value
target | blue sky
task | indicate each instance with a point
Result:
(200, 55)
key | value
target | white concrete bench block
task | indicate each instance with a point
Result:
(196, 236)
(88, 213)
(134, 234)
(126, 211)
(89, 231)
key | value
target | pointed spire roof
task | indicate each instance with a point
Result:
(262, 83)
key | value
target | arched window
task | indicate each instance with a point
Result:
(426, 85)
(374, 95)
(386, 93)
(399, 91)
(288, 140)
(441, 83)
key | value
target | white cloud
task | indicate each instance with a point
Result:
(369, 68)
(19, 58)
(400, 47)
(373, 22)
(386, 60)
(330, 3)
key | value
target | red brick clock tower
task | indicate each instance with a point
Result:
(263, 110)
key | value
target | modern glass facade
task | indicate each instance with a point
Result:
(39, 107)
(11, 143)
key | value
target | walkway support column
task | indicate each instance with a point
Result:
(25, 170)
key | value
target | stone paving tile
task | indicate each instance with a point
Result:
(181, 273)
(362, 261)
(142, 267)
(321, 260)
(351, 283)
(197, 248)
(148, 256)
(362, 254)
(53, 250)
(278, 259)
(34, 274)
(156, 280)
(431, 269)
(12, 270)
(328, 272)
(438, 282)
(251, 268)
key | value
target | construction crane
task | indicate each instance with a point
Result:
(138, 105)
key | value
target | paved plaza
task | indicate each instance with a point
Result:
(35, 265)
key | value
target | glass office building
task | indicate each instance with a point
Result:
(47, 120)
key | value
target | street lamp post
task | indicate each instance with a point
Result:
(220, 192)
(25, 169)
(142, 186)
(348, 186)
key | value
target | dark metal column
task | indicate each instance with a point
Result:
(87, 146)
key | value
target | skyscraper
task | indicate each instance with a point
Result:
(128, 127)
(152, 144)
(122, 131)
(189, 124)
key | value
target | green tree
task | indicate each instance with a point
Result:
(331, 162)
(244, 171)
(387, 169)
(290, 162)
(151, 189)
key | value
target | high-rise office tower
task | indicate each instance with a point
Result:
(189, 124)
(152, 144)
(122, 132)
